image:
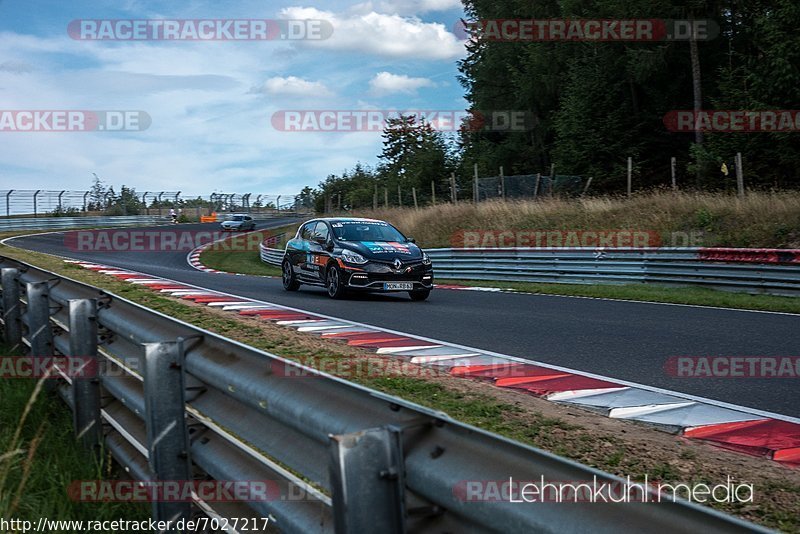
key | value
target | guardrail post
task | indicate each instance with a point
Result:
(86, 385)
(12, 325)
(40, 334)
(368, 481)
(167, 435)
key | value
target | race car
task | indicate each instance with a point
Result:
(351, 254)
(240, 222)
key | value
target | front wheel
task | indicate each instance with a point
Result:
(290, 283)
(333, 284)
(420, 294)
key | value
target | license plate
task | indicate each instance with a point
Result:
(398, 286)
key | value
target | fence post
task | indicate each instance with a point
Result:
(552, 179)
(453, 193)
(672, 164)
(375, 198)
(35, 210)
(385, 197)
(433, 192)
(502, 184)
(367, 479)
(630, 175)
(167, 435)
(414, 196)
(86, 385)
(739, 174)
(12, 325)
(536, 187)
(8, 202)
(586, 187)
(475, 193)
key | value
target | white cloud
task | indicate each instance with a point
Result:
(406, 7)
(292, 86)
(385, 83)
(388, 35)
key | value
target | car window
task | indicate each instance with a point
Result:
(321, 232)
(367, 231)
(306, 231)
(238, 218)
(248, 218)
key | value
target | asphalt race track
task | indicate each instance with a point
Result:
(624, 340)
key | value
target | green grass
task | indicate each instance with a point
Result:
(242, 257)
(40, 458)
(649, 293)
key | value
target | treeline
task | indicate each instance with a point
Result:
(592, 104)
(416, 162)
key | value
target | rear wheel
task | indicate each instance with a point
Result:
(420, 294)
(334, 286)
(290, 282)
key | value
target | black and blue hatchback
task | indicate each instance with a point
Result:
(348, 254)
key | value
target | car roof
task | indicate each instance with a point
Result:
(343, 219)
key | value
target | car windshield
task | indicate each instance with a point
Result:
(366, 231)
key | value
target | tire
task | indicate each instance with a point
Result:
(290, 282)
(420, 294)
(333, 283)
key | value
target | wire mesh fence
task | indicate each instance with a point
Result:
(528, 186)
(74, 203)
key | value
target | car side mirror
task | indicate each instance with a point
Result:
(410, 240)
(328, 245)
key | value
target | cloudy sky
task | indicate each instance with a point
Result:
(212, 102)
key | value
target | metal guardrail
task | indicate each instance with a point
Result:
(46, 223)
(173, 401)
(666, 266)
(271, 256)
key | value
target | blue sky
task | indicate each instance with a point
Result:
(211, 102)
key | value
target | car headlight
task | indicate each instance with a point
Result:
(353, 257)
(426, 260)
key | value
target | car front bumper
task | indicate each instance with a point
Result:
(373, 277)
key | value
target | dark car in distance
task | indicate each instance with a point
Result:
(351, 254)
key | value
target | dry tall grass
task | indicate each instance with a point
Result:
(760, 219)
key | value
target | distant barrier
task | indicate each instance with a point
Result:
(770, 271)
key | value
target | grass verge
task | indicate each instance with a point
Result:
(40, 458)
(615, 446)
(761, 219)
(672, 295)
(240, 253)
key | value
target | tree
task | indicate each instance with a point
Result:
(97, 195)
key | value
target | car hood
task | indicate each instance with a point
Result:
(383, 250)
(232, 223)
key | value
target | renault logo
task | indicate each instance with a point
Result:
(397, 264)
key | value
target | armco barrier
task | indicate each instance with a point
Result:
(174, 400)
(46, 223)
(725, 269)
(271, 256)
